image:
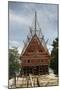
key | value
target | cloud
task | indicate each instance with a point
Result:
(16, 44)
(49, 48)
(19, 19)
(21, 16)
(13, 43)
(20, 50)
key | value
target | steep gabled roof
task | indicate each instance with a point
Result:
(39, 39)
(35, 45)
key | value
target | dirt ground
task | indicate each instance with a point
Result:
(34, 81)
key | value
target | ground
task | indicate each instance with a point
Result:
(34, 81)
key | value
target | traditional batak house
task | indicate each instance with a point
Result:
(35, 55)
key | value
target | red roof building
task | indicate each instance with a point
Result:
(35, 55)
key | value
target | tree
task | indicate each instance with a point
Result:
(54, 56)
(13, 62)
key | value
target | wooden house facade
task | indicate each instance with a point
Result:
(35, 56)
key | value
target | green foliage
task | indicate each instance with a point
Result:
(13, 62)
(54, 56)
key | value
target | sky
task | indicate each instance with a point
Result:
(21, 16)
